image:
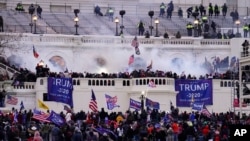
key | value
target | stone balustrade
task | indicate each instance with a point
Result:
(115, 82)
(95, 39)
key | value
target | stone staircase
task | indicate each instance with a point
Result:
(44, 27)
(10, 71)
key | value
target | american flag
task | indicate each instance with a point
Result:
(93, 104)
(66, 108)
(205, 112)
(131, 59)
(11, 100)
(36, 112)
(151, 84)
(41, 117)
(135, 43)
(36, 55)
(111, 102)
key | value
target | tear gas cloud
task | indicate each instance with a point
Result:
(114, 60)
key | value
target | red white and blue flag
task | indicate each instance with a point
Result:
(152, 104)
(41, 116)
(67, 109)
(205, 112)
(131, 59)
(111, 102)
(134, 104)
(36, 55)
(56, 119)
(11, 100)
(93, 104)
(135, 44)
(151, 84)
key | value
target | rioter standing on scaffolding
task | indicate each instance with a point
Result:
(31, 9)
(224, 10)
(180, 13)
(202, 10)
(189, 28)
(141, 28)
(1, 24)
(245, 46)
(170, 10)
(162, 9)
(199, 28)
(195, 14)
(213, 26)
(111, 14)
(39, 11)
(245, 30)
(210, 10)
(189, 12)
(216, 10)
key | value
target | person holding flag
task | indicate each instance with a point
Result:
(131, 59)
(21, 106)
(150, 66)
(135, 44)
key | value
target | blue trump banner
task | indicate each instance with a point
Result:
(56, 119)
(152, 104)
(107, 131)
(134, 104)
(60, 90)
(191, 91)
(197, 106)
(111, 102)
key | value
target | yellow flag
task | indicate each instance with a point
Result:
(42, 105)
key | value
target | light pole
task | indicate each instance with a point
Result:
(151, 14)
(76, 19)
(156, 27)
(122, 13)
(116, 26)
(142, 100)
(34, 19)
(31, 12)
(31, 25)
(237, 22)
(41, 63)
(196, 22)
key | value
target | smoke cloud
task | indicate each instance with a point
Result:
(114, 60)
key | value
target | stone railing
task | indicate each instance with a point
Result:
(79, 40)
(161, 83)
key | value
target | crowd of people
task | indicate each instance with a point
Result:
(132, 125)
(204, 22)
(205, 26)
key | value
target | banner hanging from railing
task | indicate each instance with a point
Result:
(193, 91)
(60, 90)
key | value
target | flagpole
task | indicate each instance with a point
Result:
(191, 103)
(146, 93)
